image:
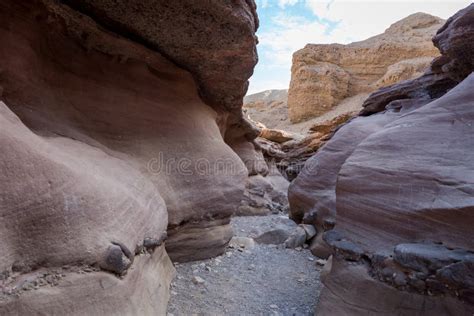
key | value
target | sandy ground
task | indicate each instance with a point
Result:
(258, 280)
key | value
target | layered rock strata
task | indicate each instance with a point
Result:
(391, 193)
(114, 129)
(324, 75)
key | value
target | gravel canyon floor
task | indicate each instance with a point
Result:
(257, 279)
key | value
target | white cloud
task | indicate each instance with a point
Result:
(365, 18)
(283, 3)
(291, 33)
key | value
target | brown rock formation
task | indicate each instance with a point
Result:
(391, 193)
(325, 75)
(265, 194)
(106, 144)
(276, 135)
(291, 155)
(214, 40)
(265, 188)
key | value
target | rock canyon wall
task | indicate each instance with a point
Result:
(117, 123)
(391, 193)
(322, 76)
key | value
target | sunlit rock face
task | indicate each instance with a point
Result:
(323, 75)
(391, 193)
(108, 148)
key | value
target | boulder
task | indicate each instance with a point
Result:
(301, 235)
(264, 194)
(275, 135)
(242, 242)
(273, 237)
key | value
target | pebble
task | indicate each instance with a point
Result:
(242, 242)
(310, 259)
(321, 262)
(198, 280)
(273, 306)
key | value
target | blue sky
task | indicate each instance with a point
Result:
(288, 25)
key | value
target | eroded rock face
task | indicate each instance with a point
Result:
(108, 149)
(265, 194)
(325, 75)
(215, 40)
(265, 188)
(392, 203)
(291, 156)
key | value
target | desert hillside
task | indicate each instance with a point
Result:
(269, 107)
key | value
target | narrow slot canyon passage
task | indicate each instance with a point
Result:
(236, 157)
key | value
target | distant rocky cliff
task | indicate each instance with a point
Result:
(268, 107)
(322, 76)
